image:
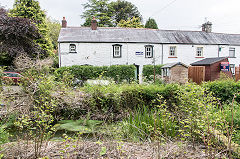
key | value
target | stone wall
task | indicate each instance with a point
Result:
(179, 74)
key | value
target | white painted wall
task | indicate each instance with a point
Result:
(101, 54)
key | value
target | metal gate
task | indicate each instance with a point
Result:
(196, 74)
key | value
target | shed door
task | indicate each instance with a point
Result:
(196, 74)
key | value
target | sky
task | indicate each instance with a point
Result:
(169, 14)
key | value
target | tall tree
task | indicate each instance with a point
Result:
(123, 10)
(54, 29)
(134, 22)
(100, 10)
(17, 36)
(151, 23)
(31, 9)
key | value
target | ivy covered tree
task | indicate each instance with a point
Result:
(31, 9)
(151, 23)
(135, 22)
(100, 10)
(17, 36)
(123, 10)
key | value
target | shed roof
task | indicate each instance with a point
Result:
(170, 65)
(142, 35)
(208, 61)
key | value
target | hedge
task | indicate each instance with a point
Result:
(148, 71)
(116, 72)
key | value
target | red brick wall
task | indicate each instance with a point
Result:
(215, 70)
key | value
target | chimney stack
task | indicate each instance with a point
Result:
(64, 23)
(207, 27)
(94, 24)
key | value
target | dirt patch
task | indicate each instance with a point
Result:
(113, 149)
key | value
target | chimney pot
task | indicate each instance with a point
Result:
(94, 24)
(207, 27)
(64, 23)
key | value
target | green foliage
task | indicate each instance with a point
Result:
(117, 72)
(109, 14)
(100, 10)
(134, 22)
(148, 71)
(122, 10)
(224, 89)
(31, 9)
(54, 30)
(82, 126)
(151, 124)
(151, 23)
(4, 135)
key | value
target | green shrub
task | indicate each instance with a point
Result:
(148, 71)
(224, 89)
(117, 72)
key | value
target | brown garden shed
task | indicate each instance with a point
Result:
(209, 69)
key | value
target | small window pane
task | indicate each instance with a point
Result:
(231, 52)
(149, 52)
(172, 51)
(72, 48)
(199, 52)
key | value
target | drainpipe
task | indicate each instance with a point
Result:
(162, 55)
(59, 55)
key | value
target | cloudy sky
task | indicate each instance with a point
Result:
(169, 14)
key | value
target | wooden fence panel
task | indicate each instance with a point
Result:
(196, 74)
(237, 73)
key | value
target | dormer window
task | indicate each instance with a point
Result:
(72, 48)
(117, 51)
(148, 51)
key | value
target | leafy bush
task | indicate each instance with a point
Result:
(224, 89)
(116, 72)
(148, 71)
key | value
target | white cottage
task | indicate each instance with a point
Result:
(105, 46)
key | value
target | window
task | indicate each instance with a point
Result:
(199, 52)
(117, 51)
(166, 72)
(172, 51)
(232, 68)
(148, 51)
(72, 48)
(231, 52)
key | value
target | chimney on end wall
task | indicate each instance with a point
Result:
(64, 23)
(207, 27)
(94, 24)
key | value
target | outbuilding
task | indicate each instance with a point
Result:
(175, 72)
(209, 69)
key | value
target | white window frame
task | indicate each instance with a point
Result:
(72, 48)
(232, 49)
(117, 51)
(199, 51)
(172, 51)
(149, 51)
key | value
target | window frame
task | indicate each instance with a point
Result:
(71, 50)
(151, 51)
(232, 49)
(114, 51)
(175, 51)
(199, 50)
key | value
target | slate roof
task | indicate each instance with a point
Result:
(142, 35)
(208, 61)
(170, 65)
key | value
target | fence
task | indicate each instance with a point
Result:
(196, 74)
